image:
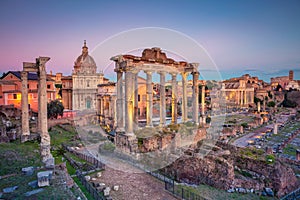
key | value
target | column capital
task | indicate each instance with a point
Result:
(173, 74)
(161, 73)
(184, 74)
(148, 72)
(135, 71)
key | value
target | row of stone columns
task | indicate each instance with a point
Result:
(131, 100)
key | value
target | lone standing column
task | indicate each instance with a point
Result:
(25, 114)
(45, 137)
(174, 98)
(195, 97)
(162, 99)
(149, 103)
(184, 97)
(120, 120)
(129, 93)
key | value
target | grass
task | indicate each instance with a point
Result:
(16, 155)
(60, 136)
(217, 194)
(289, 150)
(83, 189)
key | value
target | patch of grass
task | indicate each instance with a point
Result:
(270, 159)
(16, 155)
(289, 150)
(71, 170)
(209, 192)
(60, 136)
(83, 189)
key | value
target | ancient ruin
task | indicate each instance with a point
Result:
(40, 68)
(152, 61)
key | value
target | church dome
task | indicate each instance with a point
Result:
(85, 63)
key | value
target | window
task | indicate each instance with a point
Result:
(28, 86)
(139, 98)
(48, 86)
(87, 83)
(0, 97)
(15, 96)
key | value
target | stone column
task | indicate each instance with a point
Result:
(45, 137)
(39, 120)
(129, 93)
(241, 97)
(238, 97)
(245, 98)
(258, 106)
(174, 98)
(203, 104)
(120, 120)
(135, 99)
(25, 114)
(149, 102)
(162, 113)
(195, 97)
(275, 129)
(184, 96)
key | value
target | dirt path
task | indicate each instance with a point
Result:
(134, 186)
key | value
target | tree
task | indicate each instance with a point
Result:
(271, 104)
(54, 109)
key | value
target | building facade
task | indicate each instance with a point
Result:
(11, 87)
(84, 82)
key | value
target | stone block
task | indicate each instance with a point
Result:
(87, 178)
(10, 189)
(28, 171)
(27, 194)
(33, 184)
(49, 163)
(99, 174)
(44, 178)
(106, 191)
(269, 192)
(116, 188)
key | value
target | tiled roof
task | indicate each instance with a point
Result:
(31, 76)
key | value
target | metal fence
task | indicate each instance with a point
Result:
(179, 191)
(293, 195)
(93, 191)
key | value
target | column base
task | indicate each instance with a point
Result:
(25, 137)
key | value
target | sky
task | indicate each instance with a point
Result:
(261, 38)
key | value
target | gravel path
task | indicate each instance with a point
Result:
(134, 186)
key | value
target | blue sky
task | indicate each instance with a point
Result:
(258, 37)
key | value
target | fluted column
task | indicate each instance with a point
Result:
(119, 114)
(174, 98)
(129, 94)
(25, 114)
(245, 98)
(195, 97)
(184, 97)
(238, 97)
(162, 113)
(241, 98)
(149, 102)
(203, 104)
(135, 99)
